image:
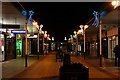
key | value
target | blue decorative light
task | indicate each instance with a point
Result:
(30, 17)
(95, 23)
(102, 14)
(24, 13)
(18, 31)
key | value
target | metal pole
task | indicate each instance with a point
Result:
(43, 43)
(38, 44)
(100, 32)
(77, 43)
(84, 40)
(26, 44)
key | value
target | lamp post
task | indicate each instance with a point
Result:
(39, 32)
(45, 36)
(43, 41)
(28, 20)
(38, 41)
(26, 44)
(82, 31)
(97, 23)
(76, 41)
(38, 28)
(100, 32)
(84, 28)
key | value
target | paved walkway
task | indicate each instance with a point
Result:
(45, 69)
(48, 69)
(12, 67)
(96, 72)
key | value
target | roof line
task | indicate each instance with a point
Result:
(20, 4)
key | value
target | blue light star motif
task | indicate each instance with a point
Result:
(102, 14)
(30, 17)
(95, 23)
(24, 13)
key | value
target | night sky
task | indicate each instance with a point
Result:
(60, 19)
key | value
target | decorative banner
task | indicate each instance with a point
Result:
(18, 31)
(95, 23)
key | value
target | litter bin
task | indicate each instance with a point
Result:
(66, 59)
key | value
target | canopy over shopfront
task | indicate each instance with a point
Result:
(112, 19)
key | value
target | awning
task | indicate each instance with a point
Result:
(112, 18)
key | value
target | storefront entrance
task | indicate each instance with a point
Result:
(112, 42)
(19, 47)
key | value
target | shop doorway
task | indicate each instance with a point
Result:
(112, 42)
(19, 49)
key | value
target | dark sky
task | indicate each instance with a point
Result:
(60, 19)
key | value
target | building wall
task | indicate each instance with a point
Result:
(11, 16)
(113, 31)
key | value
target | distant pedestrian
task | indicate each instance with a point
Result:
(117, 55)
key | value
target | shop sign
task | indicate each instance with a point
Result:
(18, 31)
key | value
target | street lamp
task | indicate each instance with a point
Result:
(29, 20)
(43, 32)
(39, 32)
(53, 39)
(82, 31)
(84, 28)
(65, 39)
(97, 23)
(76, 41)
(36, 25)
(115, 3)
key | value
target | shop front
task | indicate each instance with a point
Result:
(2, 47)
(112, 42)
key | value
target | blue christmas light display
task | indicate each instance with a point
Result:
(30, 17)
(101, 15)
(24, 13)
(95, 23)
